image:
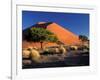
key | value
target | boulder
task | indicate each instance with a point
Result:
(25, 53)
(74, 47)
(26, 62)
(62, 50)
(35, 55)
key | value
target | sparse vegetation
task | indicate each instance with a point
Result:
(83, 38)
(42, 35)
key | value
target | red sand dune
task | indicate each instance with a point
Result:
(64, 35)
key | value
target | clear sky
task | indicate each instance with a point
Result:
(78, 23)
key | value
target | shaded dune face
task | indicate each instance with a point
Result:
(65, 36)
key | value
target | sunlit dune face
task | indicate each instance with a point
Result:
(63, 35)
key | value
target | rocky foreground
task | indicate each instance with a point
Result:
(54, 58)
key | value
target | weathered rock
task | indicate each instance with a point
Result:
(26, 62)
(74, 47)
(62, 50)
(25, 53)
(35, 55)
(56, 50)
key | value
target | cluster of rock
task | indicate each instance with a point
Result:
(29, 54)
(35, 55)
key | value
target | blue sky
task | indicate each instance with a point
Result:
(78, 23)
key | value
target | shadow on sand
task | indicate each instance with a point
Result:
(69, 61)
